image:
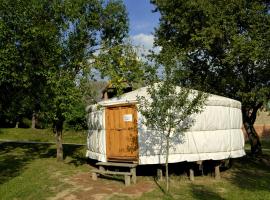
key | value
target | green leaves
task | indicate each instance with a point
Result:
(121, 64)
(169, 107)
(44, 45)
(223, 45)
(114, 23)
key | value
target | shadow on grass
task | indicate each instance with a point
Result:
(15, 156)
(76, 152)
(159, 185)
(252, 173)
(201, 192)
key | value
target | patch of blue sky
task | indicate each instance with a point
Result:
(142, 19)
(142, 23)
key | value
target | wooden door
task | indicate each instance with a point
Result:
(121, 133)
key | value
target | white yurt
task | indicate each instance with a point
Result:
(117, 133)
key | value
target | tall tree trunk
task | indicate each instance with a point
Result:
(167, 164)
(58, 128)
(33, 125)
(249, 118)
(59, 146)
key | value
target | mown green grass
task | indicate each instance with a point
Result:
(30, 171)
(41, 135)
(248, 178)
(245, 180)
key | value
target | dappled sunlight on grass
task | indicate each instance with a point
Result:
(30, 171)
(248, 178)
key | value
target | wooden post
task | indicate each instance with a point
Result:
(159, 174)
(101, 168)
(127, 180)
(217, 172)
(191, 174)
(200, 163)
(133, 175)
(94, 176)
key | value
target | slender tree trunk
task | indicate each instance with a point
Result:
(33, 125)
(167, 164)
(17, 125)
(58, 128)
(249, 118)
(59, 146)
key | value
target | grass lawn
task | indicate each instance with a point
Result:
(41, 135)
(248, 178)
(30, 171)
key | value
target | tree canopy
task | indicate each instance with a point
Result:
(37, 38)
(121, 65)
(45, 46)
(223, 48)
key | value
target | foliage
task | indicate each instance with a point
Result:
(27, 34)
(76, 120)
(39, 38)
(91, 90)
(26, 123)
(223, 47)
(121, 65)
(169, 107)
(168, 110)
(44, 45)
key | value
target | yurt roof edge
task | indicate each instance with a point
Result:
(131, 98)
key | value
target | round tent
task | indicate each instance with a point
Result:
(116, 132)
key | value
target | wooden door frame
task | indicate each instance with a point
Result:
(122, 159)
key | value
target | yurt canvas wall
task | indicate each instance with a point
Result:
(116, 133)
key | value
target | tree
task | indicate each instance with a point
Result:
(21, 56)
(45, 45)
(224, 49)
(121, 64)
(66, 96)
(168, 110)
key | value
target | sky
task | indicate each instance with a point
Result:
(141, 26)
(141, 22)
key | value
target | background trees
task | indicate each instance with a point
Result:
(223, 47)
(44, 48)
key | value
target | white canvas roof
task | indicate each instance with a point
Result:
(131, 97)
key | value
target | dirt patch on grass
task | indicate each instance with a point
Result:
(84, 188)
